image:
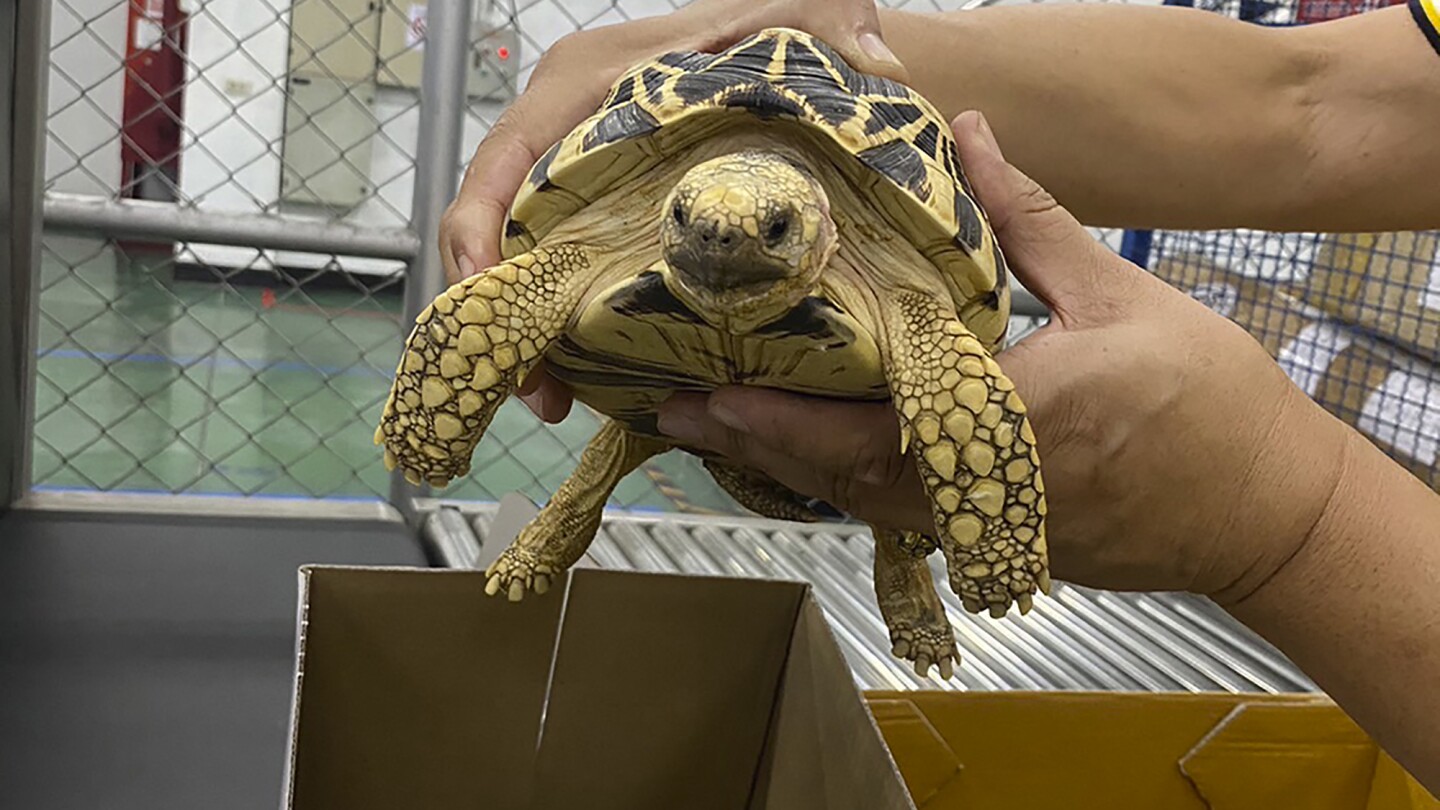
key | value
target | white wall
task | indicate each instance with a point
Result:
(236, 105)
(87, 45)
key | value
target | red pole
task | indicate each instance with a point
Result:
(155, 51)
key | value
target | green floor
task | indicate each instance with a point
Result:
(148, 383)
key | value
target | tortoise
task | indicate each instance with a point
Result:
(765, 215)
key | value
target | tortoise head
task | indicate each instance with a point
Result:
(745, 237)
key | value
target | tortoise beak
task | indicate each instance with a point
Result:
(720, 258)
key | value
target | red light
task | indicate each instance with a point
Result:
(503, 53)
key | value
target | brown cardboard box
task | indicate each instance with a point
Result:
(1384, 391)
(1386, 283)
(1267, 310)
(612, 690)
(640, 690)
(636, 690)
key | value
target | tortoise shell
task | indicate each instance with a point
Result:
(890, 141)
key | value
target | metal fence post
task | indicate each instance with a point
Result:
(437, 161)
(24, 71)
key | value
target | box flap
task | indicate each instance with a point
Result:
(1265, 756)
(418, 690)
(929, 764)
(826, 751)
(663, 690)
(511, 516)
(1393, 788)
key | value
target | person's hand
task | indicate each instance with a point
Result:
(1176, 453)
(572, 79)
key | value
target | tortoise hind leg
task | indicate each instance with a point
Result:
(760, 494)
(559, 535)
(904, 588)
(919, 629)
(966, 429)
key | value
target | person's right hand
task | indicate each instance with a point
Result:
(568, 85)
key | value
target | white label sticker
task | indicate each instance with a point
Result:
(1431, 298)
(148, 34)
(1306, 358)
(1405, 414)
(1261, 254)
(415, 31)
(1220, 297)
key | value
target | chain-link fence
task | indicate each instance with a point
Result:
(173, 358)
(179, 365)
(1353, 319)
(195, 365)
(176, 359)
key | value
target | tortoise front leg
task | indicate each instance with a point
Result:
(966, 429)
(564, 529)
(467, 352)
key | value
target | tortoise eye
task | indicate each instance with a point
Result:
(679, 213)
(778, 227)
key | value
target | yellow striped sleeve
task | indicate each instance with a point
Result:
(1427, 16)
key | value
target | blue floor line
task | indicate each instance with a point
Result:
(275, 497)
(237, 495)
(214, 362)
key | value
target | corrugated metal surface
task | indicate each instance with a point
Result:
(1076, 639)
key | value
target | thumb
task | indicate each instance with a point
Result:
(773, 430)
(851, 27)
(1049, 251)
(868, 53)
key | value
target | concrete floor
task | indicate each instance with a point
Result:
(152, 383)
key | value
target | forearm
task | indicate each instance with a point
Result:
(1171, 117)
(1358, 610)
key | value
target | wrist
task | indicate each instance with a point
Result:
(1289, 499)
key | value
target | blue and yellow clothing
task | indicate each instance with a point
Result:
(1427, 16)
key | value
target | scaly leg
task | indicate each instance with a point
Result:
(468, 350)
(561, 532)
(919, 629)
(759, 493)
(966, 428)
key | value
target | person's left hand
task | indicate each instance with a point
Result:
(1176, 454)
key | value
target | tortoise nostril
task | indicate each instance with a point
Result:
(727, 240)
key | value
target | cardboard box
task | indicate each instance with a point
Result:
(1375, 385)
(1084, 751)
(643, 690)
(612, 690)
(1387, 284)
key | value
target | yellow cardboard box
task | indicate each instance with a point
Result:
(1080, 751)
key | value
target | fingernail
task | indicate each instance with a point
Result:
(875, 48)
(729, 418)
(987, 135)
(467, 267)
(679, 426)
